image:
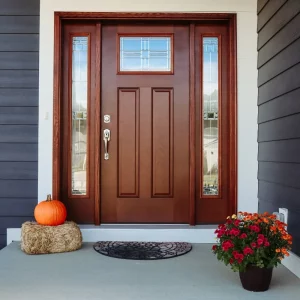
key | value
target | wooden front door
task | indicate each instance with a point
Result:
(145, 93)
(145, 119)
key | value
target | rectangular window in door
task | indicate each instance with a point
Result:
(210, 113)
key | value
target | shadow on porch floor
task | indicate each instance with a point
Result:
(85, 274)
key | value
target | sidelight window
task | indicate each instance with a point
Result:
(79, 115)
(210, 131)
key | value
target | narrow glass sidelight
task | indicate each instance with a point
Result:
(79, 125)
(145, 54)
(210, 131)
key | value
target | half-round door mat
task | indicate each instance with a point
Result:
(142, 250)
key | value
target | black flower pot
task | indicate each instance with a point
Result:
(256, 279)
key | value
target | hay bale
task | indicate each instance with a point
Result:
(40, 239)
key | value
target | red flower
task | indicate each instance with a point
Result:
(247, 251)
(237, 222)
(227, 245)
(253, 245)
(260, 242)
(231, 261)
(266, 243)
(261, 236)
(254, 228)
(243, 236)
(214, 247)
(234, 231)
(241, 258)
(236, 254)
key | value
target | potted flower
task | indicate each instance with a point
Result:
(252, 244)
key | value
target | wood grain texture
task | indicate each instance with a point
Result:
(98, 124)
(192, 137)
(143, 16)
(128, 142)
(56, 141)
(162, 175)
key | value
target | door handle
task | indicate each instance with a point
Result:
(106, 139)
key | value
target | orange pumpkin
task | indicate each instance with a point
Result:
(50, 212)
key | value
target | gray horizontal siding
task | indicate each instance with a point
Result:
(282, 151)
(17, 206)
(285, 105)
(19, 24)
(18, 152)
(19, 79)
(284, 60)
(19, 115)
(19, 60)
(279, 110)
(18, 189)
(18, 97)
(280, 41)
(19, 42)
(288, 11)
(19, 7)
(18, 134)
(19, 63)
(268, 12)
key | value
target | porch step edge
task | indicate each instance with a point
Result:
(147, 233)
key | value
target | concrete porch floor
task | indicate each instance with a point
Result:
(86, 274)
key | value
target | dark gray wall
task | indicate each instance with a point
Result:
(19, 46)
(279, 110)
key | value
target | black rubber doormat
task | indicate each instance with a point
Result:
(142, 250)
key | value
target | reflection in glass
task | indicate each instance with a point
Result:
(210, 117)
(145, 54)
(79, 115)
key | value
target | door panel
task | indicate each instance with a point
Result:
(212, 123)
(146, 179)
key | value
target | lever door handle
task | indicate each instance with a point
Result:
(106, 139)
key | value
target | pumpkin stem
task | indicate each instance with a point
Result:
(49, 197)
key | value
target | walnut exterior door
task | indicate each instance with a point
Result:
(145, 93)
(145, 120)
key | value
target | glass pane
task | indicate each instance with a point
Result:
(79, 115)
(145, 54)
(210, 117)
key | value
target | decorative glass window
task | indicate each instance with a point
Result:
(210, 134)
(79, 134)
(145, 54)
